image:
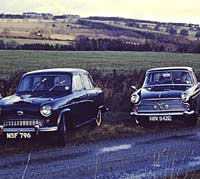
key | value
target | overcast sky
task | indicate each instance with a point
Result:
(187, 11)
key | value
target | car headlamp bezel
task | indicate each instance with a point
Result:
(185, 97)
(135, 98)
(46, 110)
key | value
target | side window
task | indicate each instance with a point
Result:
(77, 83)
(92, 84)
(86, 81)
(195, 78)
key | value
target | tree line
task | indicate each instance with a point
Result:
(83, 43)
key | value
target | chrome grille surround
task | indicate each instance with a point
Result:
(22, 123)
(161, 105)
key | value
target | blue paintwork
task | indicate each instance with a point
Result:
(83, 104)
(150, 93)
(172, 91)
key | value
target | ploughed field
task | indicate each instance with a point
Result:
(12, 61)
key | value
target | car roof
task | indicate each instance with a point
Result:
(170, 68)
(57, 70)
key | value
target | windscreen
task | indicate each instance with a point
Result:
(45, 83)
(178, 77)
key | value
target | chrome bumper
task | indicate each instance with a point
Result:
(163, 114)
(35, 129)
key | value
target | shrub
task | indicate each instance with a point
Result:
(184, 32)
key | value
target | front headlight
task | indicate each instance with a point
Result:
(135, 98)
(46, 110)
(185, 97)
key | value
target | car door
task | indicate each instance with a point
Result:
(93, 96)
(79, 112)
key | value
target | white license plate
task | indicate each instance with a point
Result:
(21, 135)
(160, 118)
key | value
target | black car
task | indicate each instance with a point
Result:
(167, 94)
(51, 100)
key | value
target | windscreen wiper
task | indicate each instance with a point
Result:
(38, 84)
(59, 84)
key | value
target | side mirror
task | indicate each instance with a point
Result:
(134, 88)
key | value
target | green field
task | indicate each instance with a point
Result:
(34, 41)
(12, 61)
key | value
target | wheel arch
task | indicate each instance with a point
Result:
(63, 112)
(103, 108)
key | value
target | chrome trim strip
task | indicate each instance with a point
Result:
(48, 129)
(173, 84)
(86, 122)
(154, 99)
(42, 129)
(157, 111)
(163, 114)
(61, 113)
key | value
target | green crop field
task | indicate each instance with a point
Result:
(35, 41)
(12, 61)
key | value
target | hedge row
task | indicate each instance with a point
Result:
(116, 86)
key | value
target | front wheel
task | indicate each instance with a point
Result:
(62, 133)
(192, 121)
(2, 140)
(99, 118)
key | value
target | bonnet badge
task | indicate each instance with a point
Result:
(20, 113)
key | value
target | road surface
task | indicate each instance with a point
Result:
(157, 155)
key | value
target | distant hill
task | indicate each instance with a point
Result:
(41, 28)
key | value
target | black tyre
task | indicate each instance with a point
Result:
(192, 121)
(2, 140)
(62, 133)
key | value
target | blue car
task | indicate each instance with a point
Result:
(167, 94)
(52, 100)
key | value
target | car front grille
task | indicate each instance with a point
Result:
(22, 123)
(161, 105)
